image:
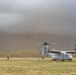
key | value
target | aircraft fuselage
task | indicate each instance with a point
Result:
(61, 56)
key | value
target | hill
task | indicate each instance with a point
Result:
(13, 42)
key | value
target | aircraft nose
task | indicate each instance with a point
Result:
(70, 57)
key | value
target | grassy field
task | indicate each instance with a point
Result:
(36, 66)
(21, 53)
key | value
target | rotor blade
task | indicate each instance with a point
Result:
(44, 43)
(39, 43)
(48, 43)
(54, 43)
(73, 45)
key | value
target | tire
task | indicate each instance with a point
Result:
(42, 58)
(62, 59)
(70, 59)
(54, 59)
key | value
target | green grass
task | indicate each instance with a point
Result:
(36, 66)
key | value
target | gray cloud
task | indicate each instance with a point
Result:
(26, 16)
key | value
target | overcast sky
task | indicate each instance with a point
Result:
(38, 16)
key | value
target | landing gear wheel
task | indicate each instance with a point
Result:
(70, 59)
(42, 58)
(54, 59)
(62, 59)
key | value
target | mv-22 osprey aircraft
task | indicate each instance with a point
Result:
(56, 54)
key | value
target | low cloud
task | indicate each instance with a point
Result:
(38, 16)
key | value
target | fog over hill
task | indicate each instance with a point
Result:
(12, 42)
(24, 23)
